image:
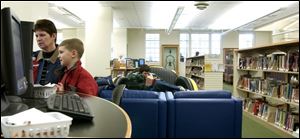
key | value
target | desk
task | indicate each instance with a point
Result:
(116, 71)
(110, 121)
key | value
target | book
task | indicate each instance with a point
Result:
(207, 67)
(271, 114)
(295, 95)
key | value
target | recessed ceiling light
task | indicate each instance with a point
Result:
(201, 5)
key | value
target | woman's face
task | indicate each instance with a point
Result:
(44, 40)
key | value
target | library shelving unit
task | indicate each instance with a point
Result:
(228, 65)
(266, 78)
(206, 71)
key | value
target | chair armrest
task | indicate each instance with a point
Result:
(169, 95)
(171, 115)
(238, 118)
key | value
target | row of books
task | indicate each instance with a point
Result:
(288, 92)
(194, 62)
(278, 115)
(276, 61)
(198, 71)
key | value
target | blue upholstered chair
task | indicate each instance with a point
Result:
(147, 111)
(203, 114)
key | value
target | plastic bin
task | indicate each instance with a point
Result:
(57, 129)
(43, 92)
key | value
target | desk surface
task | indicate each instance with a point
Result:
(110, 121)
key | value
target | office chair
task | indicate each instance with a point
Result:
(117, 94)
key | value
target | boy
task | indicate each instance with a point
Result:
(145, 80)
(75, 77)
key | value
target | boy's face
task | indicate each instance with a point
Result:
(146, 74)
(66, 56)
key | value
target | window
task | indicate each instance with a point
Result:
(215, 43)
(152, 47)
(245, 41)
(200, 43)
(184, 44)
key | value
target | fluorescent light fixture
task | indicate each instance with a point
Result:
(59, 11)
(70, 15)
(292, 24)
(58, 24)
(160, 17)
(76, 19)
(82, 9)
(246, 12)
(175, 18)
(115, 24)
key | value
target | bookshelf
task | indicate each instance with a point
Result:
(206, 71)
(228, 65)
(266, 78)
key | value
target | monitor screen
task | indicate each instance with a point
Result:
(27, 49)
(141, 61)
(12, 65)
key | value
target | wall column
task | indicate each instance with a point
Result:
(98, 41)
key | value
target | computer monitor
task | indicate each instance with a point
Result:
(141, 62)
(13, 80)
(27, 49)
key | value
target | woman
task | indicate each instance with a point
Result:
(45, 61)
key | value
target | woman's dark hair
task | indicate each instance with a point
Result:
(144, 68)
(45, 25)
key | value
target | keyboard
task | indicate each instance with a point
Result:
(70, 104)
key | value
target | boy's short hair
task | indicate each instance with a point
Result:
(45, 25)
(144, 68)
(73, 44)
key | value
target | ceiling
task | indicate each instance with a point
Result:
(219, 15)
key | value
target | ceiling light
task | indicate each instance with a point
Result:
(201, 5)
(63, 11)
(291, 24)
(244, 13)
(176, 17)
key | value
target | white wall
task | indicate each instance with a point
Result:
(28, 11)
(136, 40)
(136, 44)
(230, 40)
(76, 33)
(119, 42)
(98, 41)
(262, 38)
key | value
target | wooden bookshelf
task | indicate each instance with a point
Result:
(270, 126)
(268, 67)
(270, 97)
(197, 69)
(274, 71)
(228, 64)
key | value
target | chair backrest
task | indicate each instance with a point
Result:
(164, 74)
(117, 93)
(204, 114)
(147, 111)
(184, 82)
